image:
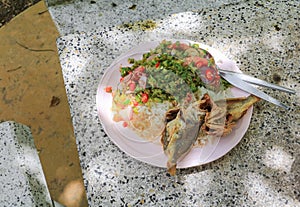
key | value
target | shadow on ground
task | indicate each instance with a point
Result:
(10, 8)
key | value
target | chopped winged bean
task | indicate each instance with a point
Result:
(169, 76)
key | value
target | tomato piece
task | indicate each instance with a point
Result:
(145, 98)
(209, 75)
(200, 62)
(184, 46)
(135, 103)
(108, 89)
(180, 46)
(172, 46)
(132, 86)
(125, 124)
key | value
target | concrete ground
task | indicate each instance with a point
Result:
(32, 92)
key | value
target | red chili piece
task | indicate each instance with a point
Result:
(157, 64)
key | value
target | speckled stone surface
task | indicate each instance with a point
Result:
(22, 181)
(262, 170)
(91, 16)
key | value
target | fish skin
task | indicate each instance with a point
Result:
(169, 116)
(181, 133)
(183, 125)
(181, 143)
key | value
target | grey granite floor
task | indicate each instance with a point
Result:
(91, 16)
(22, 181)
(261, 37)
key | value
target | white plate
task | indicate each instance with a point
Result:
(152, 153)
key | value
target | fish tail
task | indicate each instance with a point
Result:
(171, 168)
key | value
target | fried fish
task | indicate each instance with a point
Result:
(181, 130)
(183, 126)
